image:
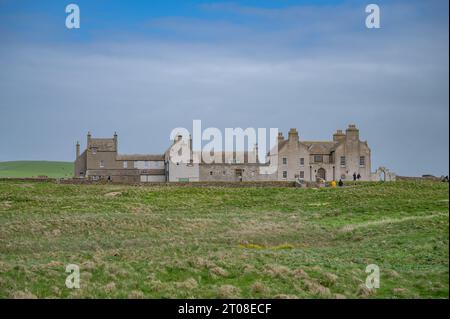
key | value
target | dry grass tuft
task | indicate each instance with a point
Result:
(88, 265)
(259, 288)
(259, 247)
(218, 271)
(85, 276)
(228, 292)
(300, 273)
(113, 194)
(110, 287)
(317, 289)
(330, 278)
(204, 263)
(54, 263)
(188, 284)
(6, 204)
(399, 290)
(248, 268)
(23, 295)
(284, 296)
(393, 273)
(277, 271)
(136, 294)
(363, 291)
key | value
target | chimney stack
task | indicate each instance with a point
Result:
(88, 140)
(352, 132)
(78, 149)
(338, 136)
(115, 141)
(280, 137)
(293, 135)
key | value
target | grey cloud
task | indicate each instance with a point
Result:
(393, 84)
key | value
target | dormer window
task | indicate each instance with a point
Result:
(94, 150)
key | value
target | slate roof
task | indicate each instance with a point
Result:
(140, 157)
(320, 148)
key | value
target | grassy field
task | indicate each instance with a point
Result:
(188, 242)
(21, 169)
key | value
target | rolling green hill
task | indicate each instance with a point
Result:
(21, 169)
(224, 242)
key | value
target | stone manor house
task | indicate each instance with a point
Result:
(346, 154)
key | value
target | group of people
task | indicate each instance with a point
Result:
(341, 183)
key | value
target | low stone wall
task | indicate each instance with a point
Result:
(419, 178)
(185, 184)
(26, 179)
(196, 184)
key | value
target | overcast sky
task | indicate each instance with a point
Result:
(144, 68)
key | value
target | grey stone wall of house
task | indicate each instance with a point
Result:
(101, 161)
(233, 173)
(338, 159)
(80, 166)
(178, 171)
(293, 159)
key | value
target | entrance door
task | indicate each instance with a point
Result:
(238, 175)
(321, 173)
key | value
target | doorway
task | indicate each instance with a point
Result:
(238, 174)
(321, 173)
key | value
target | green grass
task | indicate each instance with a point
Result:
(24, 169)
(189, 242)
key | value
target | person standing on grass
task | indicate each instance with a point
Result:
(354, 176)
(341, 183)
(359, 176)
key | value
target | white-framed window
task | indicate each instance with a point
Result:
(95, 178)
(146, 164)
(342, 160)
(135, 163)
(284, 174)
(94, 150)
(102, 163)
(125, 164)
(362, 161)
(284, 160)
(302, 161)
